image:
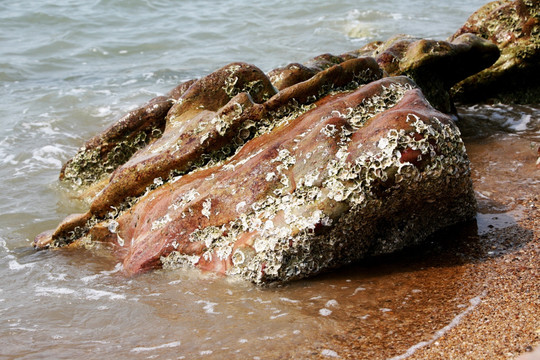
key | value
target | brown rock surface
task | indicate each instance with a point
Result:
(434, 65)
(106, 151)
(514, 26)
(377, 160)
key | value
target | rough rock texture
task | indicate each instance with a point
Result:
(279, 176)
(514, 26)
(211, 119)
(106, 151)
(434, 65)
(363, 173)
(274, 187)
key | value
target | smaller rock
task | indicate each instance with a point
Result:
(434, 65)
(289, 75)
(514, 26)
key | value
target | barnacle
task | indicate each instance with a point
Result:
(89, 166)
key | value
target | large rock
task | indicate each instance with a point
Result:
(514, 26)
(274, 187)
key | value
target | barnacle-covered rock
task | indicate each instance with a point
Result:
(434, 65)
(330, 172)
(208, 123)
(106, 151)
(514, 26)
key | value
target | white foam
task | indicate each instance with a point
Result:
(325, 312)
(49, 155)
(129, 82)
(278, 316)
(357, 290)
(284, 299)
(89, 278)
(43, 126)
(118, 267)
(519, 124)
(103, 111)
(48, 291)
(16, 266)
(152, 348)
(329, 353)
(208, 307)
(76, 91)
(474, 302)
(92, 294)
(8, 158)
(3, 245)
(57, 277)
(331, 303)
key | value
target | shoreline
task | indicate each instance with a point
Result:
(506, 322)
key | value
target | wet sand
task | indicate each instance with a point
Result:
(480, 292)
(506, 322)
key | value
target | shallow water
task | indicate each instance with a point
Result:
(68, 69)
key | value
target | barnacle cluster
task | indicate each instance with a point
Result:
(289, 244)
(89, 166)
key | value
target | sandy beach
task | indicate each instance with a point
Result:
(506, 321)
(503, 264)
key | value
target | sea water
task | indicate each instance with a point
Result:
(69, 68)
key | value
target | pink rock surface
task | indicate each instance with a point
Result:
(329, 176)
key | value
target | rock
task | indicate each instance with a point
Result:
(514, 26)
(102, 154)
(209, 122)
(434, 65)
(289, 75)
(363, 173)
(323, 62)
(275, 187)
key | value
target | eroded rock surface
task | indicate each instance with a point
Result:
(434, 65)
(514, 26)
(278, 186)
(106, 151)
